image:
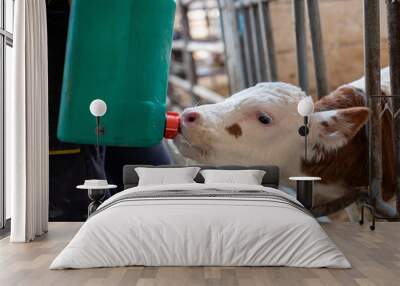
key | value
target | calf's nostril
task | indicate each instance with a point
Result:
(191, 117)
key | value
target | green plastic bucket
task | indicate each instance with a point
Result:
(117, 51)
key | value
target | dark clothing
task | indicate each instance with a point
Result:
(66, 172)
(57, 30)
(117, 157)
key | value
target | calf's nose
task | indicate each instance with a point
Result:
(190, 117)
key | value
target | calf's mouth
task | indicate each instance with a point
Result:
(188, 148)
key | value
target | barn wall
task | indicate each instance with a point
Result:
(342, 26)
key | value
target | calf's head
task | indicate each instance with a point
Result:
(259, 126)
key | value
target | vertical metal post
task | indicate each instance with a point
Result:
(317, 47)
(233, 51)
(188, 61)
(254, 41)
(267, 40)
(306, 130)
(248, 47)
(260, 42)
(393, 12)
(244, 50)
(98, 139)
(301, 43)
(373, 90)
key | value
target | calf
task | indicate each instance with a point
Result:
(259, 126)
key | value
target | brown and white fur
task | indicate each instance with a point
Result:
(230, 132)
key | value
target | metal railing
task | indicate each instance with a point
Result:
(250, 58)
(250, 54)
(187, 46)
(376, 98)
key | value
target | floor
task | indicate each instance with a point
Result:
(375, 257)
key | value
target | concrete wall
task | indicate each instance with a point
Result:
(342, 25)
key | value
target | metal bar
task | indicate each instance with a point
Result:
(386, 96)
(264, 42)
(261, 41)
(195, 8)
(248, 47)
(317, 47)
(243, 51)
(200, 91)
(263, 75)
(233, 51)
(215, 47)
(188, 61)
(393, 13)
(372, 87)
(186, 2)
(267, 41)
(301, 43)
(254, 40)
(247, 3)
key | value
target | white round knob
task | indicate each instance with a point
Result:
(305, 106)
(98, 107)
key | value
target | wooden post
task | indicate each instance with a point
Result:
(317, 47)
(267, 40)
(373, 90)
(393, 12)
(301, 43)
(230, 33)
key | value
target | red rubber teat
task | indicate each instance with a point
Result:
(171, 124)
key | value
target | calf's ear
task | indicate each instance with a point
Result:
(335, 128)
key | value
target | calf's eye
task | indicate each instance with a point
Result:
(264, 118)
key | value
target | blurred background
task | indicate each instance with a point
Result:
(199, 69)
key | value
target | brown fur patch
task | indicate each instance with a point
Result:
(325, 124)
(234, 130)
(348, 121)
(343, 97)
(349, 164)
